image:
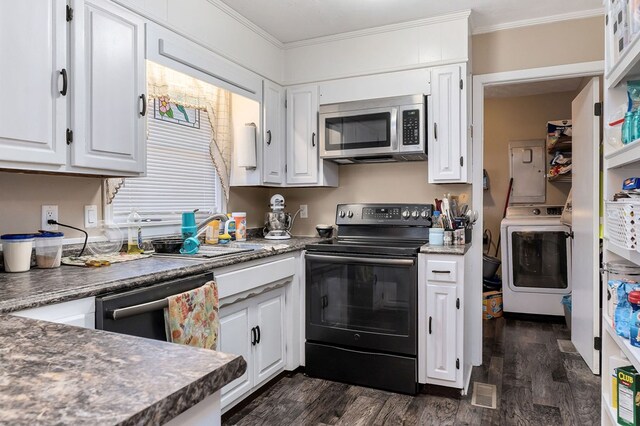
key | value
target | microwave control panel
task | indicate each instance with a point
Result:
(411, 127)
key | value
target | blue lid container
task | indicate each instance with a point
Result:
(47, 234)
(16, 237)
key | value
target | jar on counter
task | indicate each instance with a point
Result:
(16, 249)
(49, 249)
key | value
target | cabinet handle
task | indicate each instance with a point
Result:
(143, 97)
(253, 336)
(313, 139)
(435, 131)
(268, 137)
(430, 318)
(65, 82)
(258, 330)
(435, 271)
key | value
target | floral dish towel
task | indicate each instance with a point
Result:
(192, 317)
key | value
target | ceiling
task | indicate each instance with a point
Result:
(532, 88)
(295, 20)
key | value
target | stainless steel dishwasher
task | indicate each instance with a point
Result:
(139, 312)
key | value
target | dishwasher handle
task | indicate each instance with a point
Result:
(130, 311)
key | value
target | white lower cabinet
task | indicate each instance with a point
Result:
(80, 313)
(441, 323)
(255, 329)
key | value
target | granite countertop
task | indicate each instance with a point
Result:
(452, 249)
(58, 374)
(39, 287)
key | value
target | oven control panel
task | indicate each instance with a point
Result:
(384, 214)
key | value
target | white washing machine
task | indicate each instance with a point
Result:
(536, 260)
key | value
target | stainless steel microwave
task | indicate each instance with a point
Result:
(376, 130)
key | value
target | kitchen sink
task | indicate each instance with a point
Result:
(215, 251)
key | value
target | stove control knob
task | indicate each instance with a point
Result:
(536, 212)
(350, 214)
(415, 214)
(424, 214)
(341, 214)
(406, 214)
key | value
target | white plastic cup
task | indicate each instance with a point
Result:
(436, 236)
(241, 225)
(49, 249)
(16, 250)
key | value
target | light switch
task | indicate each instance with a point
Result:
(91, 216)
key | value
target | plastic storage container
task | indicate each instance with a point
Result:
(634, 320)
(16, 250)
(48, 249)
(622, 278)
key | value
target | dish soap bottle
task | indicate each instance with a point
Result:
(134, 233)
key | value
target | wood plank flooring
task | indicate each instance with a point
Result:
(537, 384)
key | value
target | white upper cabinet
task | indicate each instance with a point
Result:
(302, 134)
(447, 141)
(109, 90)
(274, 133)
(33, 83)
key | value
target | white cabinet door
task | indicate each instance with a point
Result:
(273, 133)
(235, 332)
(81, 313)
(33, 55)
(445, 137)
(269, 349)
(302, 135)
(109, 88)
(442, 332)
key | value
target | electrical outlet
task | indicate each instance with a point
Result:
(90, 216)
(49, 213)
(304, 212)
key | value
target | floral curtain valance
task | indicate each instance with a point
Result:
(168, 85)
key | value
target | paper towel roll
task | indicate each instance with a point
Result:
(246, 147)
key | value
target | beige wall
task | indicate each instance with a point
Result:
(359, 183)
(22, 197)
(558, 43)
(252, 200)
(517, 118)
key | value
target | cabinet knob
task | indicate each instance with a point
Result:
(313, 139)
(65, 82)
(143, 98)
(268, 137)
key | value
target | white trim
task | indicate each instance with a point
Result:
(477, 196)
(378, 30)
(538, 21)
(223, 7)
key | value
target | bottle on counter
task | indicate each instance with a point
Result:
(230, 227)
(134, 233)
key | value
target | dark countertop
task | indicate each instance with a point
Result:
(452, 249)
(59, 374)
(39, 287)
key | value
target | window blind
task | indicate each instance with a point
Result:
(180, 176)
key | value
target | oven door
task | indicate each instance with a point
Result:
(540, 259)
(362, 301)
(356, 133)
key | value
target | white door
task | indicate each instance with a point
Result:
(109, 89)
(273, 134)
(235, 338)
(444, 141)
(269, 357)
(585, 263)
(302, 134)
(441, 332)
(33, 48)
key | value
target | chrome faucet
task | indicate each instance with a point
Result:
(216, 216)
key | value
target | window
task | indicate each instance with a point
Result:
(180, 173)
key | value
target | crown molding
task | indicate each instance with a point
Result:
(247, 23)
(539, 21)
(378, 30)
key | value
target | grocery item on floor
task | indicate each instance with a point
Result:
(48, 249)
(615, 362)
(16, 250)
(491, 304)
(566, 304)
(628, 397)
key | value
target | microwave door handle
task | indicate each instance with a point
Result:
(394, 129)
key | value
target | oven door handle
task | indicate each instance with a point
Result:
(362, 260)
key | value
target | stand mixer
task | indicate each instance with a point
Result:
(278, 223)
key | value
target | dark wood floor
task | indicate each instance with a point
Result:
(537, 384)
